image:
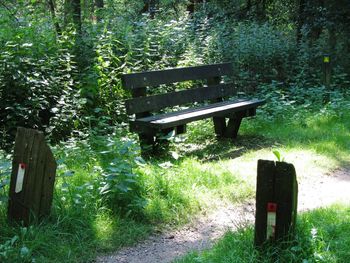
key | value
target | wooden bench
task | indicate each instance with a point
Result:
(150, 122)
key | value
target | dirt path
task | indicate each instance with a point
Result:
(313, 192)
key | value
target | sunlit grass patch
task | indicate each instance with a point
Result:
(188, 187)
(326, 134)
(321, 236)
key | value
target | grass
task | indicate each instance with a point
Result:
(198, 172)
(322, 235)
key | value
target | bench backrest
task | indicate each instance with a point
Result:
(141, 103)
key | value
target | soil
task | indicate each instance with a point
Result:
(314, 192)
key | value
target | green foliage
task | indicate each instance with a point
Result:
(259, 52)
(119, 184)
(73, 74)
(15, 249)
(110, 63)
(5, 169)
(38, 90)
(278, 156)
(113, 183)
(157, 43)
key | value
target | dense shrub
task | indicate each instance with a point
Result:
(37, 90)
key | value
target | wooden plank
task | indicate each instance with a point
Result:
(48, 182)
(219, 122)
(265, 193)
(167, 76)
(35, 197)
(219, 126)
(161, 101)
(233, 125)
(180, 129)
(286, 190)
(36, 171)
(139, 93)
(24, 142)
(220, 109)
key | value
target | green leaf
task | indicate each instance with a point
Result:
(277, 154)
(175, 155)
(68, 173)
(24, 251)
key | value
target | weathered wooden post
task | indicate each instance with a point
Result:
(326, 80)
(32, 178)
(276, 201)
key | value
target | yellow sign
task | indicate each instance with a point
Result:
(326, 59)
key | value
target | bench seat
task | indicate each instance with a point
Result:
(220, 109)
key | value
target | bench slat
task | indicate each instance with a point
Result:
(154, 78)
(172, 119)
(170, 99)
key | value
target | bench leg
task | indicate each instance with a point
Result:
(153, 142)
(219, 126)
(146, 140)
(180, 129)
(233, 126)
(229, 130)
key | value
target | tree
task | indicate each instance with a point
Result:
(300, 19)
(150, 6)
(72, 14)
(52, 7)
(76, 13)
(192, 5)
(99, 4)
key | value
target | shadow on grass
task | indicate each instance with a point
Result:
(221, 149)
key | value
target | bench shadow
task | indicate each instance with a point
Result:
(221, 149)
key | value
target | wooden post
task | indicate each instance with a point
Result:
(276, 201)
(219, 122)
(32, 178)
(326, 71)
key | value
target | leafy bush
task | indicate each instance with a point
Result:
(119, 184)
(112, 182)
(15, 249)
(109, 64)
(5, 170)
(37, 91)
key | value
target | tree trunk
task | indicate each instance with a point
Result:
(53, 15)
(261, 10)
(99, 5)
(152, 8)
(149, 7)
(300, 20)
(249, 6)
(316, 28)
(332, 41)
(76, 13)
(191, 6)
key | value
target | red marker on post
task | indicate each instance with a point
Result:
(271, 221)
